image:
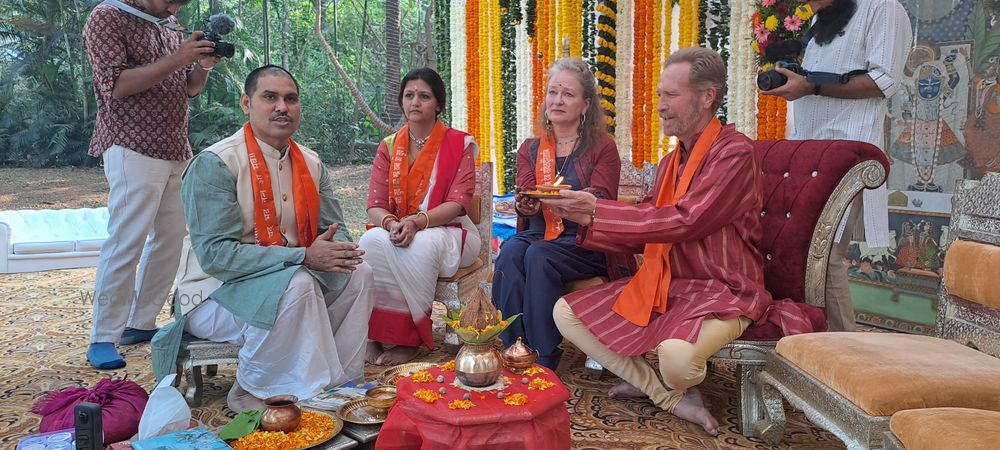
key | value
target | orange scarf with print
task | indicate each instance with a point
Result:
(266, 228)
(646, 292)
(545, 173)
(408, 185)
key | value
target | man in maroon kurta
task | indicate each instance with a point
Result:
(715, 285)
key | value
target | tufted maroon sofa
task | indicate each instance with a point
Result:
(806, 187)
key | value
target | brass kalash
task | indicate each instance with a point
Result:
(478, 363)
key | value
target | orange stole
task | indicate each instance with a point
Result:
(646, 292)
(545, 173)
(266, 229)
(408, 185)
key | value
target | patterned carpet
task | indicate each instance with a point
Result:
(45, 321)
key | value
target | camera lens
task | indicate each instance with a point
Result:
(770, 79)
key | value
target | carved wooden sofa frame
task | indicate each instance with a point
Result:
(975, 217)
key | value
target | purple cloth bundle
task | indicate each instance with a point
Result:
(122, 402)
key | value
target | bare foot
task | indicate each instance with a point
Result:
(373, 350)
(397, 355)
(240, 400)
(692, 409)
(625, 390)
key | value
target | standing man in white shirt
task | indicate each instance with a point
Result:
(849, 35)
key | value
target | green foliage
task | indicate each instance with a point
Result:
(987, 42)
(47, 105)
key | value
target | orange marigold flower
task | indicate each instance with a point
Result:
(515, 400)
(422, 376)
(539, 384)
(427, 395)
(461, 404)
(313, 429)
(532, 371)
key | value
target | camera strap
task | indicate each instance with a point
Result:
(144, 16)
(833, 78)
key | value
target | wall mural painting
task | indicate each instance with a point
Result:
(944, 126)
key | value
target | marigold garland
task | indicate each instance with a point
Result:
(448, 366)
(313, 428)
(642, 48)
(472, 81)
(605, 60)
(774, 21)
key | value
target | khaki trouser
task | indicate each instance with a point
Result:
(682, 364)
(839, 308)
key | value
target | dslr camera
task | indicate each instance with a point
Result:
(771, 79)
(783, 54)
(219, 25)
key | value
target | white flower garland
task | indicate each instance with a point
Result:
(623, 80)
(742, 70)
(459, 97)
(525, 83)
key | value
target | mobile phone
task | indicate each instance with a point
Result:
(89, 431)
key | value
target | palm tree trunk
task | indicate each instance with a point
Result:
(359, 100)
(392, 61)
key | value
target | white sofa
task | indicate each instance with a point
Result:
(47, 239)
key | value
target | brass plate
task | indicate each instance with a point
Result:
(393, 374)
(361, 413)
(543, 194)
(338, 424)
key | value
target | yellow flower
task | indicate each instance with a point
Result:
(771, 23)
(804, 11)
(756, 46)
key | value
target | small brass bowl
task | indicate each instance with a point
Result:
(381, 397)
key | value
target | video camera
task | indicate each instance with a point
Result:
(219, 25)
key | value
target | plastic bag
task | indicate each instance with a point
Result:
(166, 411)
(122, 403)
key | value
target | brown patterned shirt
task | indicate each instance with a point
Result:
(153, 122)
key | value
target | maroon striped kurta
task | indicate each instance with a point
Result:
(716, 268)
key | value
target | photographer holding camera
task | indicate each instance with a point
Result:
(857, 49)
(144, 74)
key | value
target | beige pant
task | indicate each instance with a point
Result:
(682, 364)
(839, 308)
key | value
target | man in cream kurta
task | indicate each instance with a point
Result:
(300, 310)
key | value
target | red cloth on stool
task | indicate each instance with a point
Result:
(542, 423)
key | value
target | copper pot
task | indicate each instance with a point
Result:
(519, 357)
(282, 414)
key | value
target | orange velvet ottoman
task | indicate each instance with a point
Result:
(946, 428)
(882, 373)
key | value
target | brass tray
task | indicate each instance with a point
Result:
(393, 374)
(543, 194)
(338, 424)
(361, 413)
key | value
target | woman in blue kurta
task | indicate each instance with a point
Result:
(534, 264)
